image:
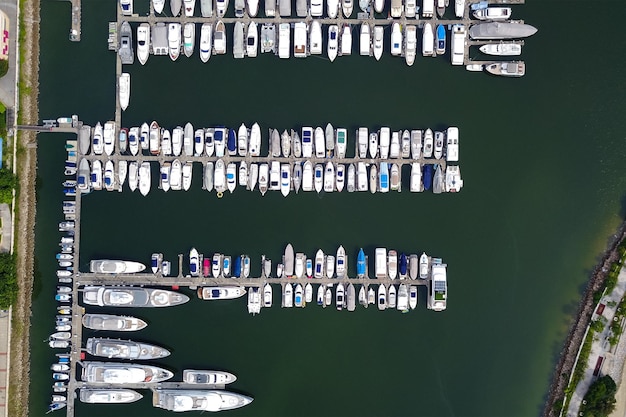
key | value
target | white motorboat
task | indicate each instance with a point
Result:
(507, 69)
(392, 264)
(493, 13)
(300, 37)
(97, 145)
(296, 178)
(454, 183)
(177, 140)
(109, 175)
(394, 178)
(396, 39)
(330, 140)
(275, 179)
(330, 266)
(220, 7)
(109, 137)
(145, 180)
(219, 177)
(123, 349)
(328, 297)
(252, 38)
(315, 37)
(121, 373)
(124, 90)
(413, 296)
(362, 141)
(287, 295)
(382, 297)
(416, 143)
(308, 293)
(189, 6)
(253, 176)
(267, 295)
(158, 6)
(284, 42)
(206, 41)
(176, 175)
(219, 36)
(351, 182)
(373, 178)
(166, 142)
(285, 179)
(347, 7)
(298, 296)
(318, 177)
(173, 40)
(107, 266)
(438, 146)
(383, 181)
(373, 145)
(239, 48)
(378, 42)
(321, 290)
(428, 144)
(340, 177)
(187, 173)
(223, 292)
(179, 400)
(452, 144)
(216, 265)
(329, 178)
(285, 143)
(254, 145)
(253, 7)
(268, 33)
(208, 176)
(320, 143)
(307, 142)
(175, 7)
(339, 296)
(341, 266)
(275, 149)
(243, 174)
(242, 140)
(365, 40)
(361, 177)
(438, 296)
(346, 39)
(263, 178)
(379, 5)
(341, 143)
(188, 144)
(333, 42)
(318, 271)
(195, 376)
(307, 176)
(109, 396)
(299, 265)
(502, 49)
(209, 141)
(416, 178)
(164, 178)
(155, 138)
(231, 176)
(391, 296)
(423, 266)
(428, 40)
(410, 46)
(189, 38)
(219, 140)
(133, 175)
(383, 141)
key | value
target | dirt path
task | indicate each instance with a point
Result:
(26, 206)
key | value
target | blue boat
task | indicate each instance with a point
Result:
(427, 176)
(360, 264)
(383, 184)
(237, 269)
(403, 265)
(218, 141)
(441, 39)
(232, 142)
(480, 5)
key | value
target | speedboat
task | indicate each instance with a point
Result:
(221, 6)
(194, 263)
(219, 139)
(413, 266)
(176, 175)
(441, 40)
(405, 144)
(410, 45)
(231, 176)
(330, 266)
(121, 373)
(275, 149)
(423, 266)
(189, 38)
(300, 39)
(428, 143)
(507, 69)
(112, 323)
(288, 259)
(413, 297)
(83, 178)
(308, 293)
(329, 178)
(365, 40)
(226, 265)
(287, 295)
(328, 296)
(268, 32)
(340, 145)
(346, 38)
(320, 143)
(109, 137)
(362, 138)
(382, 297)
(428, 40)
(307, 176)
(459, 8)
(219, 36)
(391, 296)
(341, 263)
(97, 145)
(155, 262)
(396, 39)
(155, 138)
(347, 6)
(493, 13)
(194, 376)
(109, 396)
(332, 8)
(284, 31)
(318, 177)
(307, 142)
(253, 7)
(502, 49)
(252, 38)
(242, 140)
(108, 266)
(209, 141)
(392, 264)
(123, 349)
(319, 264)
(219, 176)
(239, 48)
(263, 178)
(394, 177)
(363, 296)
(373, 178)
(321, 291)
(438, 147)
(188, 138)
(333, 42)
(267, 295)
(379, 5)
(454, 183)
(378, 42)
(309, 268)
(383, 182)
(132, 297)
(124, 91)
(416, 178)
(383, 142)
(315, 37)
(143, 43)
(437, 298)
(361, 177)
(298, 299)
(206, 44)
(351, 182)
(452, 144)
(224, 292)
(340, 177)
(173, 40)
(216, 265)
(339, 296)
(179, 400)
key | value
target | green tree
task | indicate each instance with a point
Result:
(600, 398)
(4, 67)
(8, 280)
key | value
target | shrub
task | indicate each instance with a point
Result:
(4, 67)
(600, 398)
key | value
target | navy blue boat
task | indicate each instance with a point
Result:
(403, 264)
(232, 142)
(237, 270)
(427, 176)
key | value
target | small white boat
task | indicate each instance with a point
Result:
(321, 291)
(318, 177)
(275, 177)
(410, 45)
(378, 42)
(109, 175)
(454, 183)
(340, 145)
(329, 178)
(347, 6)
(176, 175)
(224, 292)
(221, 6)
(341, 266)
(493, 13)
(394, 177)
(124, 90)
(166, 142)
(133, 175)
(164, 178)
(189, 38)
(158, 6)
(328, 297)
(413, 297)
(109, 137)
(452, 144)
(298, 296)
(263, 178)
(284, 42)
(379, 5)
(459, 8)
(296, 144)
(173, 40)
(253, 176)
(361, 177)
(333, 42)
(177, 140)
(300, 40)
(416, 143)
(396, 39)
(307, 142)
(351, 182)
(365, 40)
(267, 295)
(231, 176)
(340, 177)
(155, 138)
(239, 48)
(253, 7)
(252, 38)
(187, 172)
(319, 264)
(285, 179)
(243, 174)
(296, 178)
(188, 139)
(428, 144)
(330, 266)
(438, 146)
(423, 266)
(307, 176)
(391, 296)
(219, 177)
(97, 144)
(428, 40)
(475, 67)
(285, 143)
(362, 141)
(287, 295)
(315, 38)
(502, 49)
(320, 143)
(206, 41)
(175, 7)
(206, 8)
(346, 39)
(189, 6)
(383, 178)
(382, 297)
(219, 36)
(339, 296)
(373, 178)
(416, 178)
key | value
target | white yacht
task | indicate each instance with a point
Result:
(187, 173)
(164, 178)
(179, 400)
(253, 7)
(219, 37)
(379, 5)
(319, 264)
(394, 177)
(347, 6)
(410, 46)
(267, 295)
(109, 175)
(263, 178)
(188, 138)
(416, 178)
(177, 140)
(109, 396)
(396, 39)
(219, 177)
(120, 373)
(428, 40)
(287, 295)
(341, 266)
(285, 179)
(175, 7)
(332, 8)
(459, 8)
(195, 376)
(373, 179)
(340, 296)
(113, 323)
(413, 297)
(340, 177)
(285, 143)
(296, 144)
(298, 299)
(239, 48)
(378, 42)
(383, 142)
(365, 40)
(166, 142)
(318, 177)
(329, 178)
(107, 266)
(176, 175)
(438, 145)
(252, 40)
(243, 174)
(133, 175)
(373, 145)
(454, 183)
(438, 297)
(296, 178)
(231, 176)
(416, 143)
(428, 144)
(333, 42)
(284, 47)
(307, 176)
(391, 296)
(254, 146)
(362, 141)
(143, 43)
(346, 39)
(109, 137)
(155, 138)
(493, 13)
(361, 177)
(274, 179)
(507, 69)
(382, 297)
(383, 178)
(189, 6)
(158, 6)
(320, 143)
(315, 38)
(173, 40)
(97, 145)
(299, 265)
(268, 34)
(242, 140)
(224, 292)
(452, 144)
(208, 176)
(307, 142)
(300, 40)
(424, 265)
(206, 41)
(253, 176)
(220, 7)
(340, 145)
(123, 349)
(189, 38)
(502, 49)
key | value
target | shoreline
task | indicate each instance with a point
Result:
(27, 113)
(565, 365)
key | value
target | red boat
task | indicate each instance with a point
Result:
(206, 267)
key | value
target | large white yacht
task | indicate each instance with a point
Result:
(109, 396)
(143, 43)
(252, 40)
(113, 323)
(315, 38)
(107, 266)
(502, 49)
(179, 400)
(144, 178)
(346, 40)
(123, 349)
(410, 46)
(132, 297)
(333, 42)
(396, 39)
(173, 40)
(120, 373)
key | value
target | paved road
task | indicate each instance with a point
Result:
(7, 83)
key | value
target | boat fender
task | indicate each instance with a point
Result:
(220, 194)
